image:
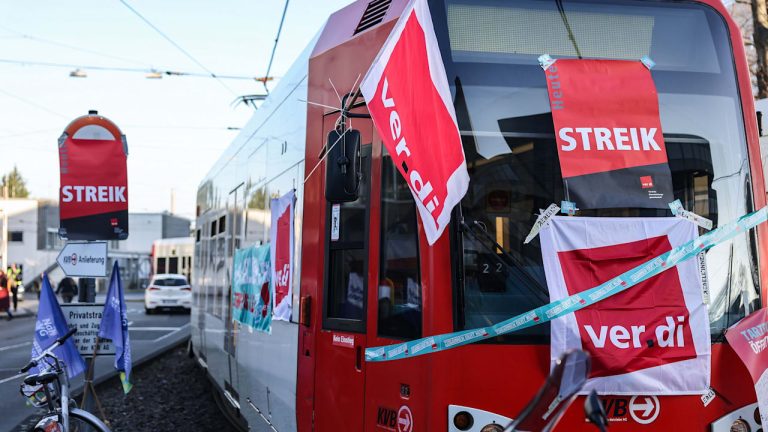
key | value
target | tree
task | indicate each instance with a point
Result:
(13, 185)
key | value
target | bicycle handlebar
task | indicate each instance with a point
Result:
(32, 363)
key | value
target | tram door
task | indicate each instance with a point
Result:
(341, 342)
(234, 238)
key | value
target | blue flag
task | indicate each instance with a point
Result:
(114, 326)
(50, 326)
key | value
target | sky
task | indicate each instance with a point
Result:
(176, 126)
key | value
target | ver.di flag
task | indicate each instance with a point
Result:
(651, 339)
(281, 251)
(114, 326)
(409, 100)
(51, 325)
(749, 339)
(608, 132)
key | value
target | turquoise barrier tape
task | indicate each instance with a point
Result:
(573, 303)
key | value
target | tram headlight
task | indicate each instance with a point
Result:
(756, 415)
(463, 420)
(740, 426)
(493, 427)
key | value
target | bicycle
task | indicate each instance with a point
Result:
(60, 417)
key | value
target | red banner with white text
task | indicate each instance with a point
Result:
(651, 339)
(93, 192)
(749, 338)
(281, 250)
(407, 93)
(608, 132)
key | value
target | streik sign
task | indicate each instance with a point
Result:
(608, 131)
(407, 93)
(93, 193)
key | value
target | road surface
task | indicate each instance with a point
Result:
(149, 334)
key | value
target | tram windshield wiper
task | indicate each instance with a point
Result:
(505, 258)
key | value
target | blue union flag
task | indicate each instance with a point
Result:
(50, 326)
(114, 326)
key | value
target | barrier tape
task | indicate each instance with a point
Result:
(677, 209)
(572, 303)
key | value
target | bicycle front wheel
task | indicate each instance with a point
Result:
(79, 421)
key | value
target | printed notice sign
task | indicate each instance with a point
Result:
(749, 338)
(86, 317)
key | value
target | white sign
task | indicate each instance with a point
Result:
(335, 221)
(86, 317)
(88, 259)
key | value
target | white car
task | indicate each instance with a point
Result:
(166, 292)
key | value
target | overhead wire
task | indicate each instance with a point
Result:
(122, 69)
(178, 47)
(72, 47)
(274, 47)
(34, 104)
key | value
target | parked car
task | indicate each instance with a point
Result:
(168, 292)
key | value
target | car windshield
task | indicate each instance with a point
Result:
(170, 282)
(490, 49)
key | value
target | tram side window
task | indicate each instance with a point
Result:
(399, 293)
(345, 294)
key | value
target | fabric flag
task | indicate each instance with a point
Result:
(749, 339)
(609, 141)
(652, 339)
(50, 326)
(409, 100)
(114, 326)
(251, 290)
(281, 251)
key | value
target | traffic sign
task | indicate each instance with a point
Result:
(87, 319)
(87, 259)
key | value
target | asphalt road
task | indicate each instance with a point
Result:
(149, 334)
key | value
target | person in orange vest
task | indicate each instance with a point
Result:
(14, 280)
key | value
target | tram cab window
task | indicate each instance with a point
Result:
(504, 117)
(399, 291)
(346, 275)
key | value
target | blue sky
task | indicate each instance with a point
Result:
(176, 126)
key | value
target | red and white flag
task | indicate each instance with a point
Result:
(651, 339)
(407, 93)
(281, 250)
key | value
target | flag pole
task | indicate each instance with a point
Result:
(89, 383)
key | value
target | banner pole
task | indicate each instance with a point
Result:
(90, 381)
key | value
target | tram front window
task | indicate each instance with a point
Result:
(502, 108)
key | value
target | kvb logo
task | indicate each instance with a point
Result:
(644, 327)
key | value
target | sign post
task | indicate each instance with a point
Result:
(93, 207)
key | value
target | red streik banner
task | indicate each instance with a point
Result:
(281, 249)
(93, 192)
(651, 339)
(407, 93)
(749, 338)
(609, 140)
